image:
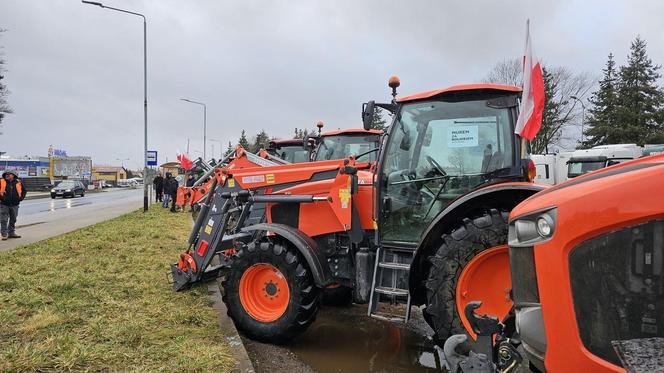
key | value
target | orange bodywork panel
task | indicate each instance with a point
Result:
(187, 196)
(587, 206)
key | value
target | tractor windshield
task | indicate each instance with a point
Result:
(291, 153)
(341, 146)
(438, 151)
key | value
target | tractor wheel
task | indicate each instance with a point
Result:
(457, 249)
(337, 296)
(269, 292)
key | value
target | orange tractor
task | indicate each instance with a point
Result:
(239, 158)
(423, 225)
(587, 279)
(334, 145)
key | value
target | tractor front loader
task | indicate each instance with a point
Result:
(239, 158)
(425, 225)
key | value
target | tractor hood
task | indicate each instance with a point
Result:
(583, 188)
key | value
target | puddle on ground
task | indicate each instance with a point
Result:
(347, 340)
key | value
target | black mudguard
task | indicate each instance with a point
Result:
(305, 245)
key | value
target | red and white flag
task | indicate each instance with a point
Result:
(184, 161)
(532, 99)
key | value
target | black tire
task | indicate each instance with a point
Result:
(304, 295)
(457, 248)
(52, 196)
(337, 297)
(82, 194)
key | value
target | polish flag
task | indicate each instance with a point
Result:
(184, 161)
(532, 99)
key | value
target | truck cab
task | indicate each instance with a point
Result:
(588, 160)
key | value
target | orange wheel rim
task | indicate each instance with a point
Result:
(486, 278)
(264, 292)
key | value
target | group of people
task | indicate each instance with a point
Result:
(167, 189)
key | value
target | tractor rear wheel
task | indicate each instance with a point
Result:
(269, 291)
(458, 248)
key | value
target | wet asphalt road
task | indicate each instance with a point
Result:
(42, 218)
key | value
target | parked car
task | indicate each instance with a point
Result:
(68, 188)
(127, 183)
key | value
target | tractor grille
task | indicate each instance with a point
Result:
(618, 289)
(524, 278)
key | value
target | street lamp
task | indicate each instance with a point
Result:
(204, 123)
(145, 95)
(122, 160)
(221, 150)
(583, 116)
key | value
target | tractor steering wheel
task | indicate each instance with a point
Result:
(436, 165)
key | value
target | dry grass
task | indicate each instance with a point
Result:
(97, 300)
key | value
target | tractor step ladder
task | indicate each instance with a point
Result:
(388, 286)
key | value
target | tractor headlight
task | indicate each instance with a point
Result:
(532, 228)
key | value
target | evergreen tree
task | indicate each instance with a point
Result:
(261, 141)
(229, 150)
(601, 120)
(552, 115)
(377, 120)
(640, 101)
(243, 141)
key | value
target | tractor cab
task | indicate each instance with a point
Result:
(342, 143)
(290, 150)
(442, 145)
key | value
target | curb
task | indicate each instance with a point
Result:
(243, 363)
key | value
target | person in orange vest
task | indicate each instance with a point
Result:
(11, 195)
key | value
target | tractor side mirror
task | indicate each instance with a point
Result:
(367, 114)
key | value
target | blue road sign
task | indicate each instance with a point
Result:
(152, 157)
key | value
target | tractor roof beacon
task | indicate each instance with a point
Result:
(425, 223)
(587, 289)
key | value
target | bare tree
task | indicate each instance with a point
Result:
(4, 92)
(562, 115)
(507, 71)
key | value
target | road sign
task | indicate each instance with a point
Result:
(152, 157)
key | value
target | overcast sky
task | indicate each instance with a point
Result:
(75, 71)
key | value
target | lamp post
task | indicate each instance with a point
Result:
(204, 124)
(145, 95)
(122, 160)
(221, 150)
(583, 115)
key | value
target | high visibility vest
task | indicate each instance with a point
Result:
(3, 186)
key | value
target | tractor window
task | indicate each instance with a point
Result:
(339, 147)
(436, 152)
(293, 154)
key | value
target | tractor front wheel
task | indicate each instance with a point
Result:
(470, 264)
(269, 291)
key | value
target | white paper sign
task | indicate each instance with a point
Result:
(462, 136)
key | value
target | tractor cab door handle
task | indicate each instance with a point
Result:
(387, 206)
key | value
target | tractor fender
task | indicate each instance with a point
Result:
(504, 195)
(305, 245)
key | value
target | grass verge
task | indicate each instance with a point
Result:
(97, 299)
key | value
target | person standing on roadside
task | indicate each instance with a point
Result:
(11, 195)
(173, 189)
(159, 188)
(166, 190)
